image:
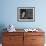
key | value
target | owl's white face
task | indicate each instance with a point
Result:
(23, 14)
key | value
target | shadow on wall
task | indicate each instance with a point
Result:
(2, 26)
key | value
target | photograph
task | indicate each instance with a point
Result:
(25, 14)
(22, 23)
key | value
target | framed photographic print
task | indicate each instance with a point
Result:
(26, 14)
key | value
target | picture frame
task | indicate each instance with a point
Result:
(26, 14)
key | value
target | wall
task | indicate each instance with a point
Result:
(8, 13)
